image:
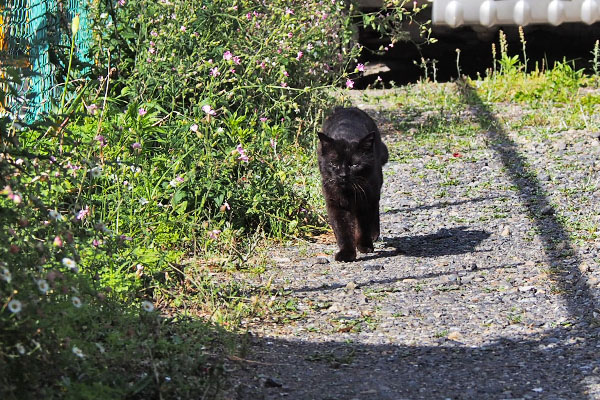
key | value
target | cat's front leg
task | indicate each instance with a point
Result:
(343, 226)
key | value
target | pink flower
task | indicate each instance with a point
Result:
(232, 70)
(349, 83)
(154, 33)
(84, 212)
(243, 157)
(121, 3)
(360, 68)
(58, 242)
(299, 56)
(264, 119)
(101, 139)
(137, 147)
(289, 11)
(152, 50)
(285, 73)
(142, 112)
(209, 111)
(290, 35)
(214, 234)
(194, 128)
(236, 60)
(227, 55)
(182, 29)
(92, 108)
(215, 71)
(273, 143)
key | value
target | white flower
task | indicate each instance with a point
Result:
(15, 306)
(76, 301)
(69, 263)
(194, 128)
(77, 351)
(20, 348)
(96, 172)
(143, 201)
(55, 215)
(43, 285)
(147, 306)
(5, 275)
(220, 130)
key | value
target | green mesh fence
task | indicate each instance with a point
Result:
(35, 39)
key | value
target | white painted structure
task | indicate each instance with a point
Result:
(454, 13)
(488, 13)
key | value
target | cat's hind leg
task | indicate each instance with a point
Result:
(365, 225)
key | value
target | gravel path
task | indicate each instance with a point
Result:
(478, 289)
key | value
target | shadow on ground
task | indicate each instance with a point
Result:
(562, 363)
(551, 368)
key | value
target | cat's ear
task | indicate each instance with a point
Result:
(366, 143)
(326, 141)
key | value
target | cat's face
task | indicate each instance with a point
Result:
(346, 164)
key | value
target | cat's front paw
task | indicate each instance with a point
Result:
(345, 255)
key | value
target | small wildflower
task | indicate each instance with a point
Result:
(227, 55)
(285, 73)
(299, 56)
(194, 128)
(264, 119)
(143, 201)
(273, 143)
(154, 33)
(236, 60)
(209, 111)
(5, 275)
(121, 3)
(225, 207)
(69, 263)
(215, 71)
(220, 130)
(147, 306)
(96, 172)
(349, 83)
(360, 68)
(84, 212)
(243, 157)
(142, 112)
(43, 286)
(58, 242)
(55, 215)
(92, 109)
(77, 351)
(214, 234)
(101, 139)
(137, 147)
(15, 306)
(20, 348)
(76, 301)
(182, 29)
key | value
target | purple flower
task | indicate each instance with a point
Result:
(142, 112)
(214, 234)
(137, 147)
(84, 212)
(349, 83)
(154, 33)
(92, 108)
(243, 157)
(101, 139)
(215, 71)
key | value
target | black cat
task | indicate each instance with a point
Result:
(351, 155)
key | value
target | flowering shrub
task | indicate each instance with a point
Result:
(198, 133)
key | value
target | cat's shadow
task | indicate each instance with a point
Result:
(451, 241)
